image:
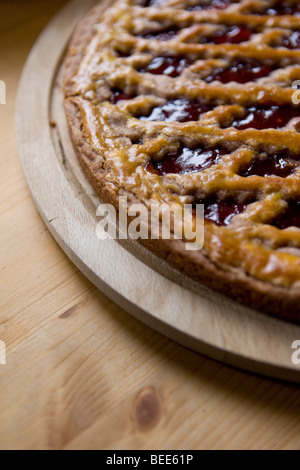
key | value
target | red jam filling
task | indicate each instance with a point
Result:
(282, 8)
(152, 3)
(123, 53)
(232, 35)
(170, 66)
(186, 161)
(180, 110)
(291, 42)
(118, 95)
(222, 212)
(209, 5)
(261, 117)
(272, 166)
(290, 218)
(241, 71)
(161, 35)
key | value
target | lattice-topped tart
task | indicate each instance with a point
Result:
(193, 101)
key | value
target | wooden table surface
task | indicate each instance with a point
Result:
(83, 374)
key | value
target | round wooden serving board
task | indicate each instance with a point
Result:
(139, 282)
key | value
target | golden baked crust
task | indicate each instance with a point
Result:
(252, 258)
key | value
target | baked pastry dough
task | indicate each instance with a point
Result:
(195, 101)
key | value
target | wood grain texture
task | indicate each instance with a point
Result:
(82, 373)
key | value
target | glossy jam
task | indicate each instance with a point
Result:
(119, 95)
(209, 5)
(170, 66)
(271, 117)
(282, 8)
(271, 166)
(161, 35)
(232, 35)
(124, 54)
(290, 218)
(222, 212)
(152, 3)
(180, 110)
(241, 71)
(292, 41)
(188, 161)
